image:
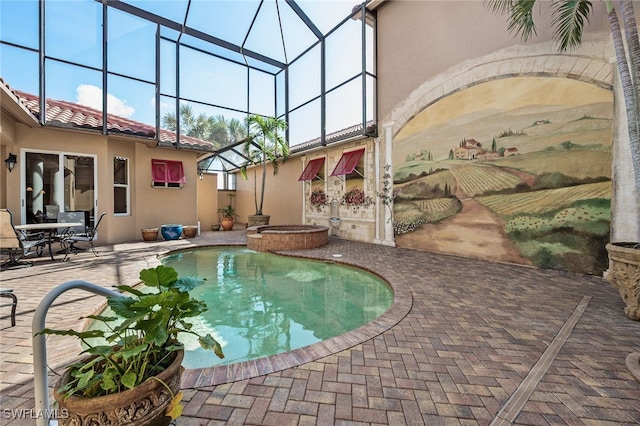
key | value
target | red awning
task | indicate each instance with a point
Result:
(167, 171)
(348, 162)
(312, 169)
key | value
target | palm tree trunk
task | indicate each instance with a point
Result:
(629, 92)
(633, 46)
(264, 178)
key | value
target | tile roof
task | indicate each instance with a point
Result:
(340, 135)
(69, 114)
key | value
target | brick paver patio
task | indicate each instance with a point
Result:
(467, 342)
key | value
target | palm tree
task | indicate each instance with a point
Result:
(215, 129)
(569, 17)
(265, 143)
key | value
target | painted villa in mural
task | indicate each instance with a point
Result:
(515, 170)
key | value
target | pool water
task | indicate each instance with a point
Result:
(262, 304)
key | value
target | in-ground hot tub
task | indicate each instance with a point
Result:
(286, 237)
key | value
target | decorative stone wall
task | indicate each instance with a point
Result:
(359, 223)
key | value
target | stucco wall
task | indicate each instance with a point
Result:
(282, 198)
(207, 201)
(418, 40)
(149, 207)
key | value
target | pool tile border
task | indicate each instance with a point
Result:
(211, 376)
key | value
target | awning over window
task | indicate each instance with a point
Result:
(167, 171)
(348, 162)
(312, 169)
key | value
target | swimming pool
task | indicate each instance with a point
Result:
(261, 304)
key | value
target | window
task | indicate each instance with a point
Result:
(351, 166)
(57, 182)
(313, 170)
(349, 163)
(120, 186)
(226, 181)
(167, 174)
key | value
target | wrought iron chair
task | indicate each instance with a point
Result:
(8, 293)
(88, 237)
(14, 243)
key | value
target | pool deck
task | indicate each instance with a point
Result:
(469, 342)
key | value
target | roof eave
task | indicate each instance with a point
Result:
(13, 106)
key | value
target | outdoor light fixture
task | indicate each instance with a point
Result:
(201, 175)
(11, 161)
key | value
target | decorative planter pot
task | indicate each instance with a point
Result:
(624, 274)
(171, 232)
(144, 405)
(258, 219)
(190, 231)
(215, 227)
(149, 234)
(227, 223)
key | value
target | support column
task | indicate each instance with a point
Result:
(376, 161)
(389, 238)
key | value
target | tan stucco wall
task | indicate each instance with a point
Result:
(149, 207)
(207, 201)
(418, 40)
(282, 198)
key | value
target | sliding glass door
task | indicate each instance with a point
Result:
(57, 182)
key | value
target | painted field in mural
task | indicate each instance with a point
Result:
(516, 170)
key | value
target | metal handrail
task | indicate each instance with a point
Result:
(40, 377)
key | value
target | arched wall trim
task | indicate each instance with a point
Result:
(538, 61)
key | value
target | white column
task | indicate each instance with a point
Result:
(37, 182)
(376, 162)
(389, 239)
(304, 195)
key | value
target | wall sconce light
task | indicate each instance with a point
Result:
(11, 161)
(201, 176)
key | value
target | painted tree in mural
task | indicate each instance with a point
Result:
(569, 17)
(211, 128)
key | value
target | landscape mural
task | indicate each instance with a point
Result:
(515, 170)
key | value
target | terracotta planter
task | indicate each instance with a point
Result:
(144, 405)
(190, 231)
(227, 223)
(624, 274)
(149, 234)
(258, 219)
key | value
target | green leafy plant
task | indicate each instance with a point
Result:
(227, 211)
(142, 340)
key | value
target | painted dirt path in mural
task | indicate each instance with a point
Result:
(474, 232)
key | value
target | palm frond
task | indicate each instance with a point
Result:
(569, 18)
(520, 15)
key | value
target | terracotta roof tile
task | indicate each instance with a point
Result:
(70, 114)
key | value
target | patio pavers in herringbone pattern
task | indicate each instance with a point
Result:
(473, 332)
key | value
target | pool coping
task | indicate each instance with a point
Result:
(211, 376)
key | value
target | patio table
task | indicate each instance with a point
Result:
(50, 227)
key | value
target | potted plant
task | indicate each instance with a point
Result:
(264, 143)
(228, 213)
(132, 372)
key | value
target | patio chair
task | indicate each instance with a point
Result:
(88, 237)
(14, 244)
(8, 293)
